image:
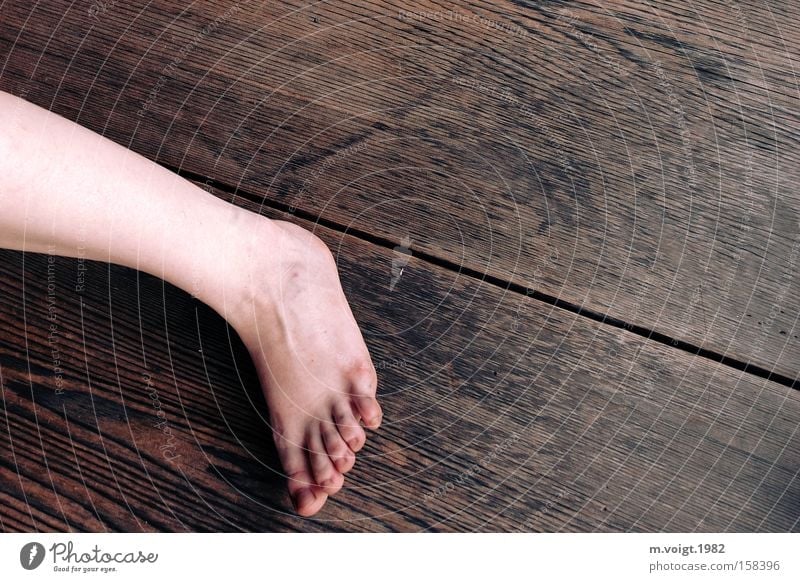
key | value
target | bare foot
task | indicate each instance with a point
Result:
(314, 367)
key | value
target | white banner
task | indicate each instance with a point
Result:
(345, 557)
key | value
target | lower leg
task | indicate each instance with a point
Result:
(69, 191)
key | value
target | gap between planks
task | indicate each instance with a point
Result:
(548, 299)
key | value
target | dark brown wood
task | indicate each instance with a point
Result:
(635, 161)
(606, 156)
(501, 414)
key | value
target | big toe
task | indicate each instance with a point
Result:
(307, 497)
(307, 501)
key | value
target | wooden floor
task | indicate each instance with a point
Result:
(597, 325)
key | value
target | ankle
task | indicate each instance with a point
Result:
(248, 268)
(258, 264)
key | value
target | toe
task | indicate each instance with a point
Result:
(341, 455)
(364, 383)
(325, 474)
(363, 378)
(307, 501)
(369, 410)
(306, 496)
(348, 426)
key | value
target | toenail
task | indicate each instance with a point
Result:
(302, 498)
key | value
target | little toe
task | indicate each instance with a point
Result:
(341, 455)
(370, 411)
(348, 426)
(325, 474)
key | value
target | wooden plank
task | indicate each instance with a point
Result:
(634, 161)
(501, 414)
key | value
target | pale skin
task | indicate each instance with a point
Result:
(68, 191)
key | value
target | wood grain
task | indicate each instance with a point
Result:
(502, 414)
(633, 161)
